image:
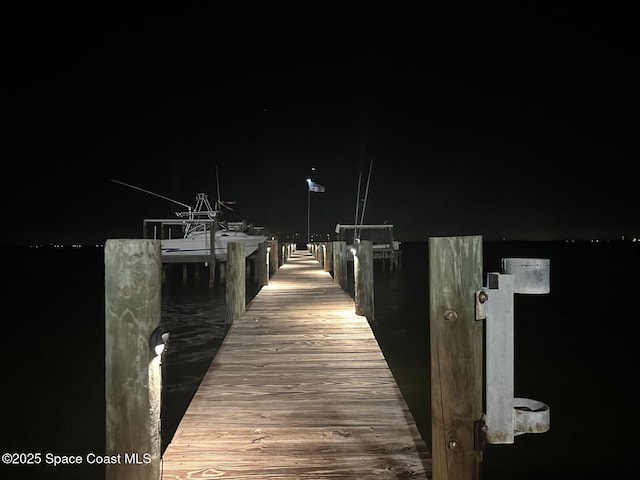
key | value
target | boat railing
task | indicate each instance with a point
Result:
(165, 231)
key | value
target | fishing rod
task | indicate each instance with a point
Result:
(357, 230)
(366, 192)
(358, 198)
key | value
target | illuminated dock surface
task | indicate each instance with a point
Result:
(298, 389)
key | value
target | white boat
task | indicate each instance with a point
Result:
(199, 243)
(197, 224)
(381, 237)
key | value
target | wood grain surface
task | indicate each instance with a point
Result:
(298, 389)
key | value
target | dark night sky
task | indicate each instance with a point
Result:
(516, 122)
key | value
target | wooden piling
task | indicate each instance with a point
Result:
(212, 251)
(273, 256)
(236, 289)
(340, 264)
(132, 369)
(320, 257)
(363, 278)
(212, 272)
(328, 257)
(222, 273)
(455, 274)
(196, 272)
(263, 265)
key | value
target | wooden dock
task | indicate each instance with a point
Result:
(299, 389)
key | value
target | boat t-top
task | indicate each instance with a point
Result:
(197, 224)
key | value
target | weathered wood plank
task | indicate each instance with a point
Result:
(132, 369)
(230, 434)
(299, 389)
(455, 274)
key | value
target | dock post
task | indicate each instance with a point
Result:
(320, 257)
(455, 275)
(363, 278)
(236, 289)
(340, 264)
(212, 252)
(132, 369)
(212, 271)
(273, 257)
(222, 272)
(328, 257)
(392, 256)
(263, 265)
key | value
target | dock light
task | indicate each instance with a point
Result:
(158, 340)
(353, 250)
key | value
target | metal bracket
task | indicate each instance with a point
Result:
(507, 416)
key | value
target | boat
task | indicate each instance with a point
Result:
(196, 224)
(384, 246)
(196, 239)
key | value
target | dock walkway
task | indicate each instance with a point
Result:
(299, 389)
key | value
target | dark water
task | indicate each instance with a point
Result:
(575, 350)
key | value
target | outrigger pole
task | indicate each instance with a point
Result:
(153, 193)
(200, 200)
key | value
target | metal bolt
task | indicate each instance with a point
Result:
(483, 297)
(451, 316)
(453, 444)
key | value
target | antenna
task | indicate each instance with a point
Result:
(152, 193)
